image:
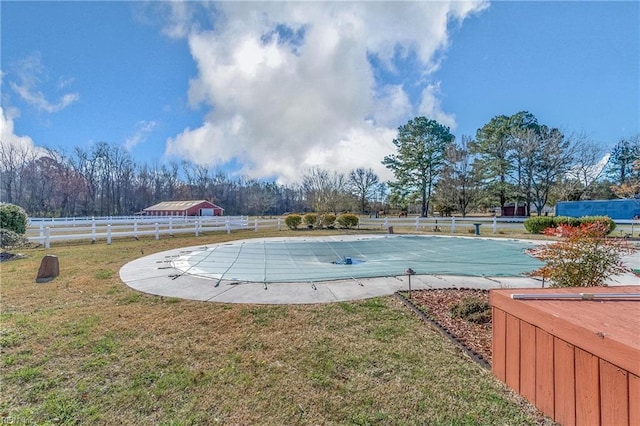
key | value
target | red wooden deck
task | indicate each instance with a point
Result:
(578, 361)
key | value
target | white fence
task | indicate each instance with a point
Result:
(45, 231)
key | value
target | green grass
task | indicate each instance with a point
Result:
(86, 349)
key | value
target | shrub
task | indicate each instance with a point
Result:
(293, 221)
(566, 220)
(13, 218)
(472, 309)
(584, 257)
(10, 239)
(537, 224)
(609, 224)
(348, 220)
(310, 219)
(329, 220)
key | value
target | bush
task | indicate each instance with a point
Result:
(537, 224)
(348, 220)
(566, 220)
(310, 219)
(584, 257)
(13, 218)
(10, 239)
(293, 221)
(609, 224)
(329, 220)
(472, 309)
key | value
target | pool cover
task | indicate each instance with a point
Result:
(344, 257)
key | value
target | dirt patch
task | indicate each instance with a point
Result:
(436, 304)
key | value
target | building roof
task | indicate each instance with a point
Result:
(179, 205)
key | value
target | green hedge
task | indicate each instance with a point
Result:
(537, 224)
(293, 221)
(13, 218)
(606, 220)
(348, 220)
(329, 220)
(310, 219)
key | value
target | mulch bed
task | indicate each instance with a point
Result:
(436, 304)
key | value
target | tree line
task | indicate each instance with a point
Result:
(511, 159)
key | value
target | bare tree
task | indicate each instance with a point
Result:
(324, 190)
(13, 161)
(588, 166)
(458, 186)
(362, 183)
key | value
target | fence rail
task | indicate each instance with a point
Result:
(45, 231)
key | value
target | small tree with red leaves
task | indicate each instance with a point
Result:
(583, 257)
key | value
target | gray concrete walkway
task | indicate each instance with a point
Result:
(154, 275)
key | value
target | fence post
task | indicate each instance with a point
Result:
(279, 224)
(228, 226)
(418, 223)
(453, 224)
(42, 233)
(47, 240)
(255, 225)
(93, 231)
(157, 231)
(386, 223)
(135, 229)
(109, 233)
(171, 225)
(495, 225)
(196, 226)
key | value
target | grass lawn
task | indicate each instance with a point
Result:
(86, 349)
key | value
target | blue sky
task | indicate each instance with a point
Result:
(269, 89)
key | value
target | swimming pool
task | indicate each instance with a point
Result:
(319, 259)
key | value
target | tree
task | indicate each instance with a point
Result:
(324, 190)
(363, 183)
(13, 161)
(589, 161)
(623, 156)
(458, 186)
(500, 160)
(584, 257)
(547, 160)
(421, 145)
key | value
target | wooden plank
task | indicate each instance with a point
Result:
(499, 335)
(634, 399)
(614, 394)
(528, 361)
(607, 329)
(512, 353)
(564, 382)
(545, 400)
(587, 388)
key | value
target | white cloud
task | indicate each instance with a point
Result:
(290, 85)
(8, 136)
(140, 134)
(31, 73)
(430, 106)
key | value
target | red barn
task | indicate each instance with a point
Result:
(184, 208)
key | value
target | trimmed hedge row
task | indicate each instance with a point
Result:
(327, 220)
(537, 224)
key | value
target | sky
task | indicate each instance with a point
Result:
(268, 90)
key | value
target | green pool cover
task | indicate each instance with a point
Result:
(345, 257)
